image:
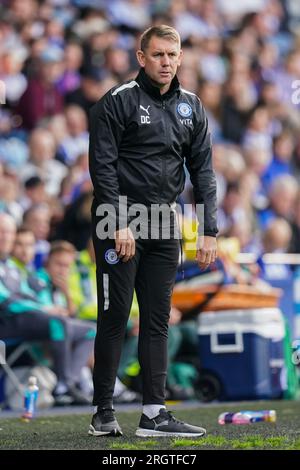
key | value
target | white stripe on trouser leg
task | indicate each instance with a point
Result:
(106, 291)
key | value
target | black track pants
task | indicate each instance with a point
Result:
(152, 273)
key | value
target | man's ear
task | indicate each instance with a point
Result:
(140, 57)
(180, 57)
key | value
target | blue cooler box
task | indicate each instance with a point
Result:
(244, 350)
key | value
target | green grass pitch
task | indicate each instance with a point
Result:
(70, 431)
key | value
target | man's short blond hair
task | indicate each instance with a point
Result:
(61, 246)
(161, 31)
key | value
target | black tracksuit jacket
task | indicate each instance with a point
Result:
(139, 142)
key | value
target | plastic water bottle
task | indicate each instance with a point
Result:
(247, 417)
(30, 399)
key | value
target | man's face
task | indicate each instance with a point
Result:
(24, 247)
(7, 237)
(161, 60)
(37, 194)
(59, 265)
(39, 223)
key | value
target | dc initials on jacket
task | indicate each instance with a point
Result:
(140, 141)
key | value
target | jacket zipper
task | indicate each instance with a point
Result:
(164, 165)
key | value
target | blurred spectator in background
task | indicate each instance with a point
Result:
(37, 219)
(76, 141)
(90, 89)
(41, 97)
(57, 125)
(296, 161)
(238, 100)
(277, 236)
(42, 161)
(283, 147)
(277, 239)
(34, 193)
(232, 210)
(9, 195)
(282, 196)
(257, 131)
(210, 93)
(117, 62)
(55, 274)
(83, 284)
(11, 63)
(71, 78)
(295, 242)
(25, 316)
(76, 225)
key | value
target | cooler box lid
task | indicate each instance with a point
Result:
(266, 322)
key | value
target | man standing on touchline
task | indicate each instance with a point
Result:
(141, 134)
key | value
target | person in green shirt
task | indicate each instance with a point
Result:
(82, 284)
(48, 289)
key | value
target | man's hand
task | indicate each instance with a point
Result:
(62, 283)
(206, 251)
(56, 310)
(125, 244)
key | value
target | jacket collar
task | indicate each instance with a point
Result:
(145, 83)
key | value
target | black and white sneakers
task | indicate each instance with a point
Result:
(104, 423)
(165, 425)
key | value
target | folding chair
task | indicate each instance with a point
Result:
(6, 363)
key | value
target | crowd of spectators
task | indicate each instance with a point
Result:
(58, 57)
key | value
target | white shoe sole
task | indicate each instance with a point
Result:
(152, 433)
(114, 432)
